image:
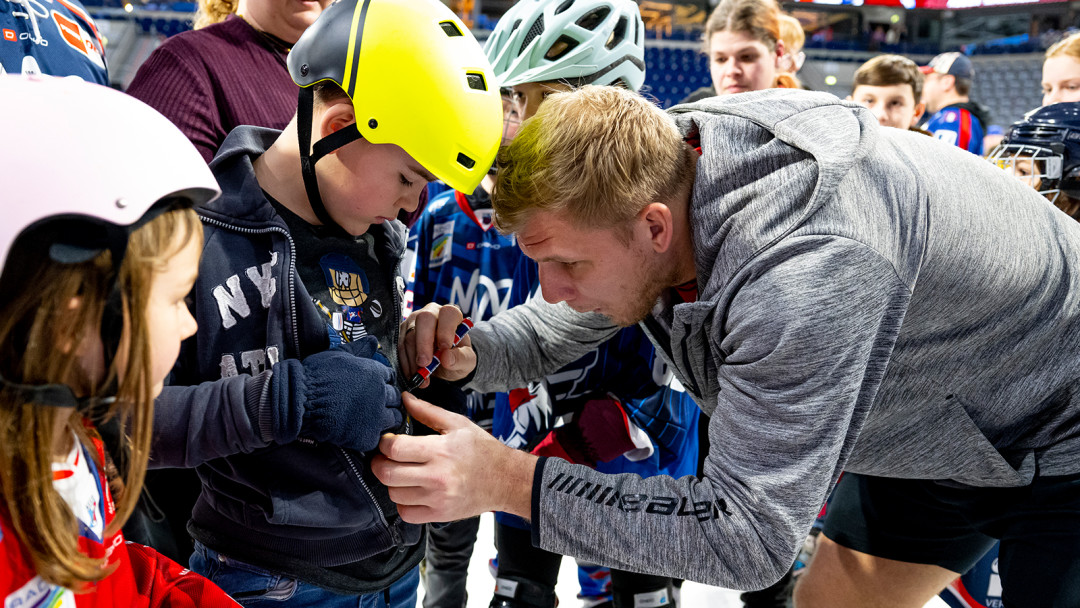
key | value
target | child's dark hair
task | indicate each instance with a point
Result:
(889, 70)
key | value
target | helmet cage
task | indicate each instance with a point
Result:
(1046, 165)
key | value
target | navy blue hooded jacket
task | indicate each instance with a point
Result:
(311, 511)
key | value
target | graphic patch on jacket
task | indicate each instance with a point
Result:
(350, 291)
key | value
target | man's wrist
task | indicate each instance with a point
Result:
(516, 483)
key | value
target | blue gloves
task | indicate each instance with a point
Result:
(345, 397)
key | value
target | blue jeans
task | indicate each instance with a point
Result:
(253, 586)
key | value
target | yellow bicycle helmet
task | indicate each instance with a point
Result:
(417, 78)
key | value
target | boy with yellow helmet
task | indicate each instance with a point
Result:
(285, 388)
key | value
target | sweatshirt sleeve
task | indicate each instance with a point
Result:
(531, 341)
(194, 424)
(805, 335)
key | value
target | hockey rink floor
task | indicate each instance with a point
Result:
(481, 583)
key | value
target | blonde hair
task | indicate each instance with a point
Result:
(758, 18)
(1069, 46)
(599, 154)
(791, 32)
(786, 80)
(41, 331)
(210, 12)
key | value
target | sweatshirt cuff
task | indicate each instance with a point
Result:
(538, 484)
(257, 402)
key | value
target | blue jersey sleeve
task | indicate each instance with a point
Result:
(958, 127)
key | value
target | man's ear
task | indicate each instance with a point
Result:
(657, 219)
(335, 116)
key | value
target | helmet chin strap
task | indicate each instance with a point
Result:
(324, 146)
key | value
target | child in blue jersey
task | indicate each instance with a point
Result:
(950, 114)
(620, 412)
(456, 256)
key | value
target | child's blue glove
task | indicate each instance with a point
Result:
(345, 397)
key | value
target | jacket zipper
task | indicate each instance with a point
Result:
(292, 269)
(686, 360)
(395, 535)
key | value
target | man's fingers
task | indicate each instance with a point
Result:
(407, 448)
(411, 495)
(418, 514)
(432, 416)
(449, 319)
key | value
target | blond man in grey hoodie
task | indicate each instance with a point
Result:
(835, 296)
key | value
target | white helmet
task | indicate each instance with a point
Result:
(582, 41)
(84, 152)
(86, 166)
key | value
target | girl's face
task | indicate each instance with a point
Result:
(167, 313)
(739, 62)
(1060, 80)
(1024, 170)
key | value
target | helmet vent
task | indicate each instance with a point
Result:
(450, 28)
(465, 161)
(1038, 131)
(534, 31)
(565, 5)
(515, 26)
(476, 81)
(617, 35)
(593, 18)
(561, 47)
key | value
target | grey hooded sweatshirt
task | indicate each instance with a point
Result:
(870, 300)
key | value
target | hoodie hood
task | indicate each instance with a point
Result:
(769, 159)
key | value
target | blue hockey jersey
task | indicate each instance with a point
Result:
(625, 366)
(456, 256)
(54, 37)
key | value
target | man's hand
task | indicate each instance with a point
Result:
(431, 329)
(461, 472)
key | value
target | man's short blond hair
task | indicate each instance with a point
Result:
(598, 154)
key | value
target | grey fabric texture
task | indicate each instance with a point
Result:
(870, 300)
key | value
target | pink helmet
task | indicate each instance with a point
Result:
(79, 151)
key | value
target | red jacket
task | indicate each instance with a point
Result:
(142, 577)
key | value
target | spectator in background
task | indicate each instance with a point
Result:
(891, 87)
(953, 117)
(67, 44)
(744, 47)
(229, 71)
(1061, 71)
